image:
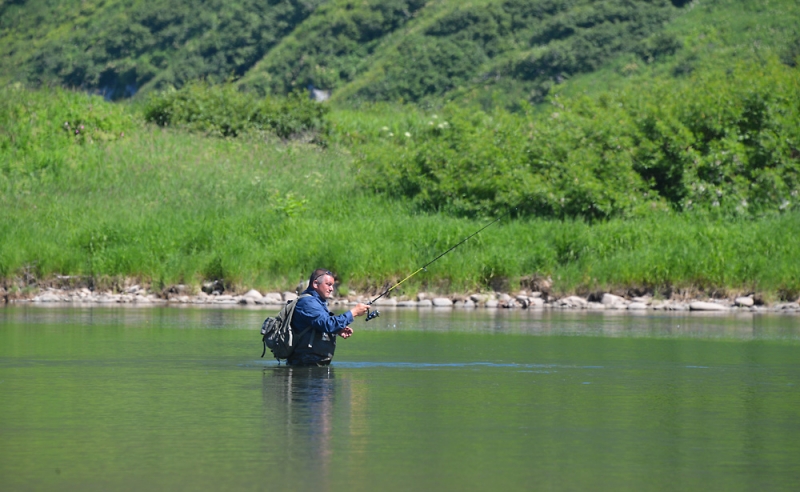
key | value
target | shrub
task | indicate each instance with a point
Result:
(475, 163)
(724, 143)
(223, 110)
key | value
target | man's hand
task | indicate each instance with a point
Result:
(359, 309)
(346, 332)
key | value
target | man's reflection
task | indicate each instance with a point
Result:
(301, 400)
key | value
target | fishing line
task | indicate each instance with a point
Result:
(376, 313)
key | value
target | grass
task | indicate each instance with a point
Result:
(168, 207)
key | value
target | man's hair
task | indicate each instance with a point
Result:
(319, 272)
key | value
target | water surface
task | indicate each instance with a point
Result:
(178, 399)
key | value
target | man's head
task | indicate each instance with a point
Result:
(321, 281)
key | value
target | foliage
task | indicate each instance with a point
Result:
(44, 132)
(489, 52)
(119, 47)
(724, 142)
(484, 164)
(332, 47)
(528, 44)
(167, 206)
(684, 175)
(225, 111)
(791, 54)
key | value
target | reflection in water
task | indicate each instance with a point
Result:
(299, 401)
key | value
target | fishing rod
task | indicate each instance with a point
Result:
(376, 313)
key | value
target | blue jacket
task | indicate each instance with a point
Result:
(318, 345)
(313, 311)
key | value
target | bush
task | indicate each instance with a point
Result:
(223, 110)
(658, 46)
(474, 163)
(726, 144)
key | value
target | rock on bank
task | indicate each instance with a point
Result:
(180, 295)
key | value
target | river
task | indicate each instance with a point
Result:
(178, 399)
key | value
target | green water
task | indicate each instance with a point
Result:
(178, 399)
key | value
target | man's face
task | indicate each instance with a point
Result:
(323, 286)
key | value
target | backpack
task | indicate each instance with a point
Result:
(277, 334)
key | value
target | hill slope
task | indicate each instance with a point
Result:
(118, 47)
(408, 50)
(517, 45)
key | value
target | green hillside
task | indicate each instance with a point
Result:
(715, 34)
(119, 47)
(514, 46)
(489, 50)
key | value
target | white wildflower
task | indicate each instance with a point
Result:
(407, 134)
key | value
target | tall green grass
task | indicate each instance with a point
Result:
(168, 207)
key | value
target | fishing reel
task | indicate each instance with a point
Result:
(371, 315)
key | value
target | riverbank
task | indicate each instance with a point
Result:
(181, 296)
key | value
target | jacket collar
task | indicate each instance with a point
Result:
(314, 294)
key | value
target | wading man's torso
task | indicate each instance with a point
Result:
(317, 345)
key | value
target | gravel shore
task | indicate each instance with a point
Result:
(179, 295)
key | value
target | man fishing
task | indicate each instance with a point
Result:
(316, 347)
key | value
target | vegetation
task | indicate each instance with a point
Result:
(119, 47)
(664, 158)
(490, 52)
(43, 135)
(516, 46)
(168, 206)
(222, 110)
(726, 143)
(334, 46)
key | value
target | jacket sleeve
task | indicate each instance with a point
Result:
(310, 311)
